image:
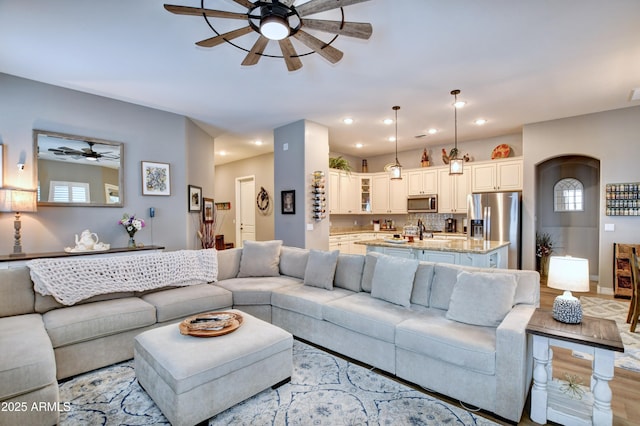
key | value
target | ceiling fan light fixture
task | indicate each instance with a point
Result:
(273, 23)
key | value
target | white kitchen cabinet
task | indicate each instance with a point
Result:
(344, 192)
(422, 182)
(388, 195)
(498, 175)
(453, 191)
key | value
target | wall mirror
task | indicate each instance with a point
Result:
(78, 171)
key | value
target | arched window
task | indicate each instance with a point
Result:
(568, 195)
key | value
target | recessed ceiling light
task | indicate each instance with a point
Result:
(359, 145)
(387, 121)
(392, 138)
(348, 120)
(258, 142)
(223, 153)
(459, 104)
(432, 131)
(480, 121)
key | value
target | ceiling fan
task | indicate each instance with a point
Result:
(279, 20)
(87, 153)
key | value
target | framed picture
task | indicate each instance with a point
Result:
(195, 198)
(207, 210)
(156, 178)
(288, 202)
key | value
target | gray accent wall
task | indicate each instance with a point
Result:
(148, 134)
(610, 137)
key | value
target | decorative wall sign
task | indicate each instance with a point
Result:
(156, 178)
(194, 201)
(223, 206)
(623, 199)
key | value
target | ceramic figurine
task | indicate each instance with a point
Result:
(424, 161)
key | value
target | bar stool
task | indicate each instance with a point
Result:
(634, 306)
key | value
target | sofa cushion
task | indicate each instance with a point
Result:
(482, 298)
(46, 303)
(89, 321)
(367, 272)
(27, 362)
(433, 335)
(16, 292)
(321, 268)
(422, 284)
(349, 271)
(366, 315)
(305, 299)
(255, 290)
(445, 277)
(260, 259)
(184, 301)
(393, 279)
(293, 261)
(228, 263)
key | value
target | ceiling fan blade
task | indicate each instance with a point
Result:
(287, 2)
(214, 41)
(351, 29)
(317, 6)
(330, 53)
(290, 55)
(245, 3)
(254, 55)
(197, 11)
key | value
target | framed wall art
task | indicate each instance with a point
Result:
(195, 198)
(156, 178)
(207, 210)
(288, 202)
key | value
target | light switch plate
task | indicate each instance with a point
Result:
(309, 226)
(609, 227)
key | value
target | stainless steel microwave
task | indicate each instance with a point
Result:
(422, 203)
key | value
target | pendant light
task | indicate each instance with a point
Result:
(455, 163)
(396, 169)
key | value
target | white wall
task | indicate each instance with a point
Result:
(612, 138)
(147, 134)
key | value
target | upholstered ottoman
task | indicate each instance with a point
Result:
(193, 378)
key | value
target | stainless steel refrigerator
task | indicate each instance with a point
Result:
(501, 215)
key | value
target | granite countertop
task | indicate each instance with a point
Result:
(458, 246)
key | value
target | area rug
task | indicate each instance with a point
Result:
(617, 311)
(324, 390)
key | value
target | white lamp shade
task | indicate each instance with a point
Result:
(568, 273)
(395, 171)
(17, 200)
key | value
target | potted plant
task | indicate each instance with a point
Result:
(339, 163)
(544, 249)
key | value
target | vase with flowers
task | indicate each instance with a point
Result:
(131, 224)
(544, 249)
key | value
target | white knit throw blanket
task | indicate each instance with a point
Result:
(72, 280)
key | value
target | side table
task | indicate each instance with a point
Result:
(595, 336)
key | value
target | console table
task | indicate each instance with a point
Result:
(8, 262)
(595, 336)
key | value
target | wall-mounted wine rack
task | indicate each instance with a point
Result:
(623, 199)
(318, 197)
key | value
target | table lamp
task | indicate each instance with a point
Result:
(17, 201)
(569, 274)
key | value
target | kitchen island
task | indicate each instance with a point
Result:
(480, 253)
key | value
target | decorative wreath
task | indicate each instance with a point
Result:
(263, 201)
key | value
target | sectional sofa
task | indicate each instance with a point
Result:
(456, 330)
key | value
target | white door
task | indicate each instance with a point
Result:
(246, 212)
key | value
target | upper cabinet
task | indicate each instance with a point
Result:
(498, 175)
(422, 181)
(453, 191)
(344, 192)
(388, 195)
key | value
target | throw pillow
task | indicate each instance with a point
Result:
(321, 268)
(349, 271)
(293, 261)
(369, 267)
(482, 298)
(260, 259)
(393, 279)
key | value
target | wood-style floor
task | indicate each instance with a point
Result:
(625, 384)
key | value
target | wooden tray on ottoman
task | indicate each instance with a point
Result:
(211, 324)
